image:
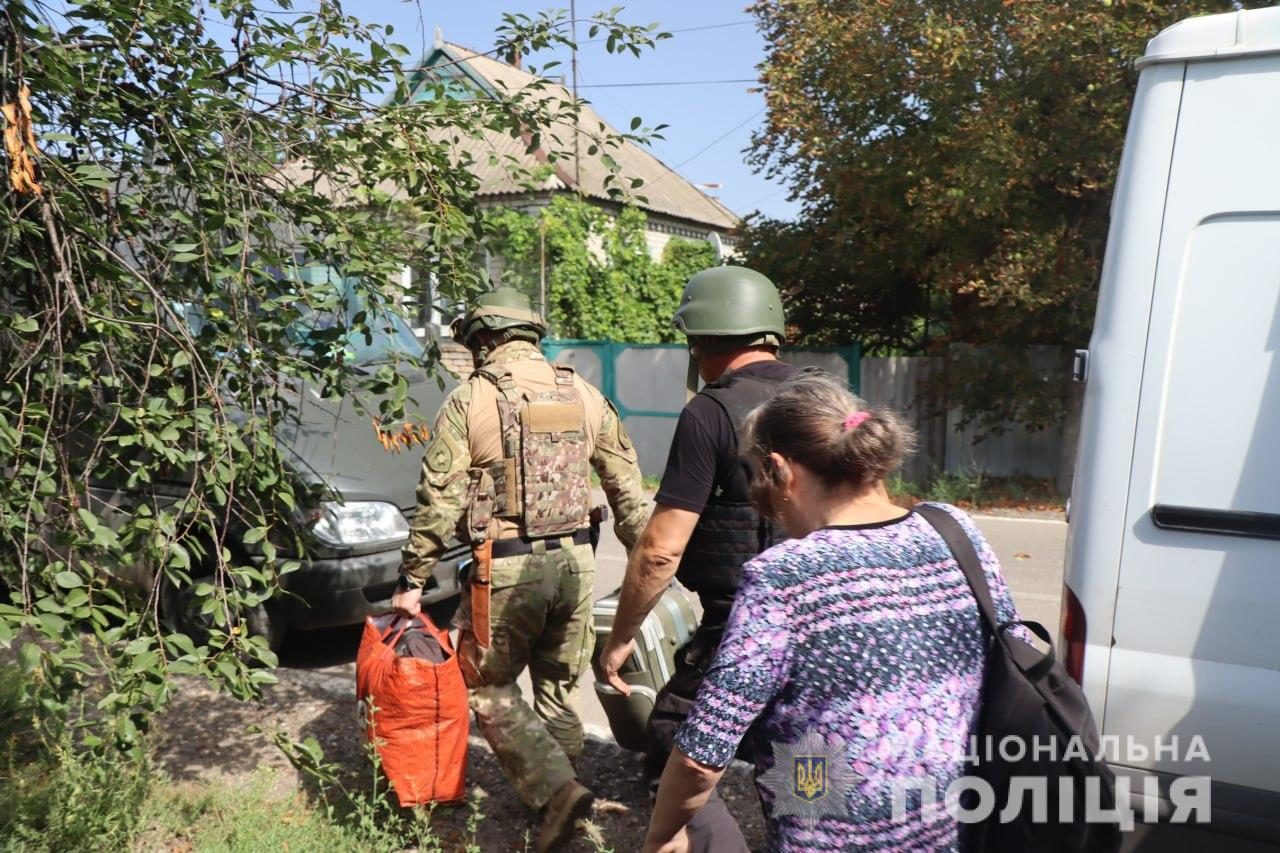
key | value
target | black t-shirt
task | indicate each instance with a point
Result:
(703, 449)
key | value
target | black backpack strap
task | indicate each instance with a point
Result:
(962, 549)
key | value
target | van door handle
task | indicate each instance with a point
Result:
(1252, 525)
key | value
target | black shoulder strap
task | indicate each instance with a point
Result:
(962, 549)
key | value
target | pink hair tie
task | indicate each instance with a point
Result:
(856, 419)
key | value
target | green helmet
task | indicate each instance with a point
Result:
(731, 301)
(502, 309)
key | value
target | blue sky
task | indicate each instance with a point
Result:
(709, 125)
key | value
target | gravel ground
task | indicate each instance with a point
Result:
(205, 738)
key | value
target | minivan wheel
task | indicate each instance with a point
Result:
(180, 611)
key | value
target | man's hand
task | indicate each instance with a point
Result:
(650, 569)
(407, 602)
(611, 660)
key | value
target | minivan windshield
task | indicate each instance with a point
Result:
(386, 335)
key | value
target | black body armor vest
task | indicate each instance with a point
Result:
(729, 531)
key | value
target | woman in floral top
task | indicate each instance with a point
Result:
(854, 655)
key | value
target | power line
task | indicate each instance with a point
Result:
(668, 83)
(767, 197)
(671, 170)
(718, 139)
(741, 23)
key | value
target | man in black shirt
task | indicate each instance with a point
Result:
(704, 528)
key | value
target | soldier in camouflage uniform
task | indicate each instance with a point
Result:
(508, 469)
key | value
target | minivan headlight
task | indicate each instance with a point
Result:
(360, 523)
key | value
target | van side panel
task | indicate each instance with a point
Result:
(1101, 483)
(1197, 618)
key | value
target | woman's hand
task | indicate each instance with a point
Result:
(678, 844)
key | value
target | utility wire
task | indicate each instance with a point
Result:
(764, 198)
(704, 149)
(741, 23)
(668, 83)
(671, 170)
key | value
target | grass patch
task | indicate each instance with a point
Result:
(974, 490)
(53, 797)
(226, 819)
(221, 818)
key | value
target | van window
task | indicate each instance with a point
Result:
(1223, 382)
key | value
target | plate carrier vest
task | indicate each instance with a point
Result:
(543, 481)
(729, 532)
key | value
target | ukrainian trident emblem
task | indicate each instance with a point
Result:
(810, 778)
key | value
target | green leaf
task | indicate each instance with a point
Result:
(52, 623)
(126, 730)
(254, 534)
(26, 325)
(29, 657)
(68, 580)
(181, 643)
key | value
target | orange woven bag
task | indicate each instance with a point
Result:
(420, 720)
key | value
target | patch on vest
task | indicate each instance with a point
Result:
(554, 417)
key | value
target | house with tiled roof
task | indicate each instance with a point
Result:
(674, 207)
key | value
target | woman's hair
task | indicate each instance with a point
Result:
(815, 420)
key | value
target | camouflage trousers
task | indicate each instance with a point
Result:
(540, 617)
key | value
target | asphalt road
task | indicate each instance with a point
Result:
(1030, 550)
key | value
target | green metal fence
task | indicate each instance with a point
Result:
(651, 387)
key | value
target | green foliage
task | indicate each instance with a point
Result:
(955, 161)
(601, 281)
(248, 820)
(976, 490)
(160, 197)
(242, 820)
(55, 798)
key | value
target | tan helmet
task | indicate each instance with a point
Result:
(503, 309)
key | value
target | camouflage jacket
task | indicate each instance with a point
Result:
(467, 434)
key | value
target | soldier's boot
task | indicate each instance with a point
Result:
(569, 805)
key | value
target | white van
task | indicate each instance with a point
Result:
(1172, 603)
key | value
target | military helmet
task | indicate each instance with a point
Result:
(502, 309)
(730, 301)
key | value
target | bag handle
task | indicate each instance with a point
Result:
(421, 617)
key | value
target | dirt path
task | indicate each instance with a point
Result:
(204, 738)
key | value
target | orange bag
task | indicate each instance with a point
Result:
(420, 719)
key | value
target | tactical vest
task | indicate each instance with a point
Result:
(543, 480)
(729, 532)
